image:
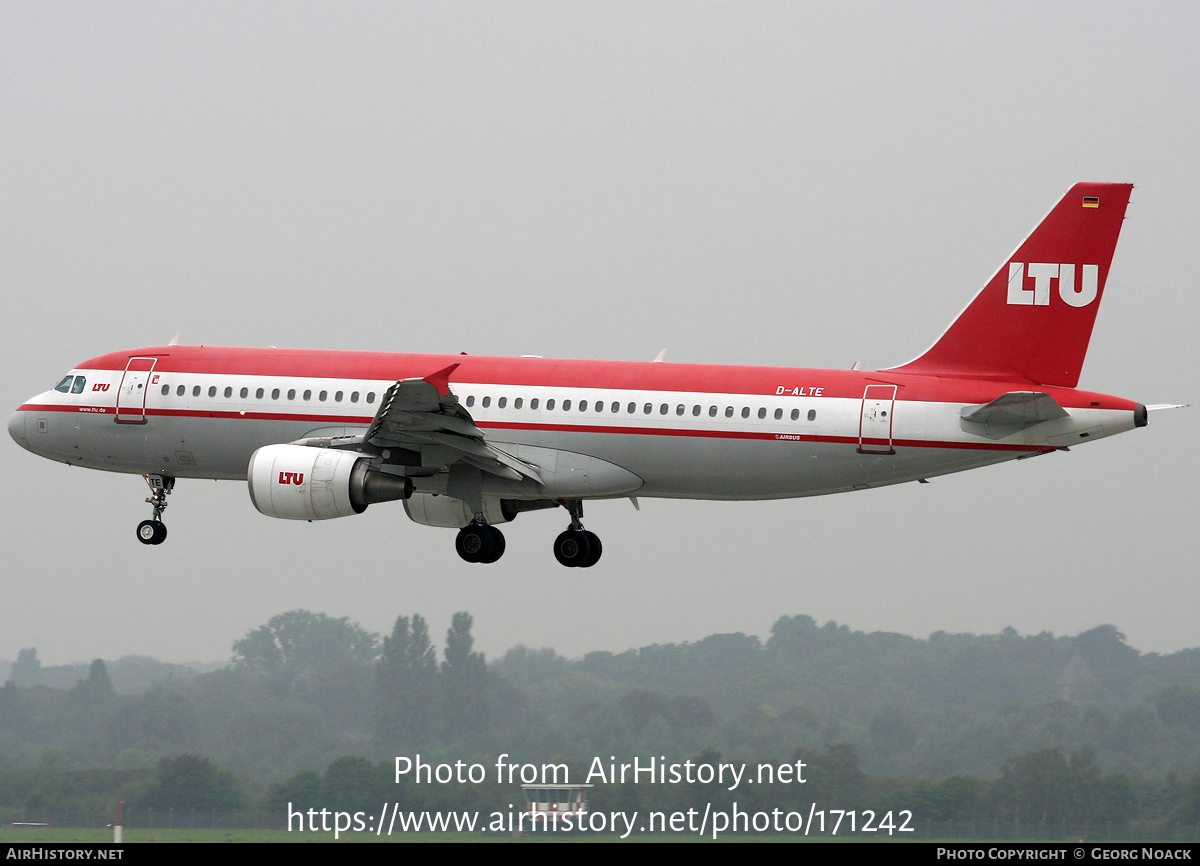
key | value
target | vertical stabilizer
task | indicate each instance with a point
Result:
(1034, 318)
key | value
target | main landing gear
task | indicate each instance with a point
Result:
(479, 542)
(154, 531)
(576, 547)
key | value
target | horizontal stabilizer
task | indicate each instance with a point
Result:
(1160, 406)
(1015, 409)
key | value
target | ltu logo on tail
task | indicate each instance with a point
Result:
(1042, 275)
(291, 477)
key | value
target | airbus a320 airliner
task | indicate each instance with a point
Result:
(471, 442)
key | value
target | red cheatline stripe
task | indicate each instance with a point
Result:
(48, 407)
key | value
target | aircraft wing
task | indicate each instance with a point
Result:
(422, 414)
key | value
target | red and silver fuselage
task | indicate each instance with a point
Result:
(672, 430)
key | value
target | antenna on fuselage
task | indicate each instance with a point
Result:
(175, 339)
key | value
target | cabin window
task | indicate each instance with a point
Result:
(323, 396)
(470, 400)
(291, 393)
(616, 407)
(166, 389)
(712, 411)
(259, 393)
(245, 392)
(274, 393)
(307, 394)
(195, 390)
(353, 396)
(212, 390)
(533, 404)
(648, 408)
(795, 414)
(550, 405)
(337, 396)
(65, 384)
(745, 411)
(517, 403)
(728, 411)
(664, 409)
(679, 409)
(487, 401)
(566, 405)
(583, 405)
(370, 396)
(696, 410)
(812, 414)
(228, 392)
(179, 391)
(502, 402)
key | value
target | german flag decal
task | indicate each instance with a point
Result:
(1091, 201)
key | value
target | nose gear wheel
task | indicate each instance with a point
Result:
(152, 532)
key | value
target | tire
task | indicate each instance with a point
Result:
(572, 548)
(595, 549)
(498, 545)
(160, 534)
(147, 532)
(474, 543)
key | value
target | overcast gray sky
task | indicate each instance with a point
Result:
(800, 184)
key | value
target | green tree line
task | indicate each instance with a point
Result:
(967, 726)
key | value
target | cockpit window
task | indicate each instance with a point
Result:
(77, 388)
(65, 384)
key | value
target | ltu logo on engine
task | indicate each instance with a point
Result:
(1042, 274)
(291, 477)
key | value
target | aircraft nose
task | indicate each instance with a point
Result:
(16, 428)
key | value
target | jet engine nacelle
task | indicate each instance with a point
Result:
(297, 482)
(431, 509)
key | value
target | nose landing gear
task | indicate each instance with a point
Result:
(154, 531)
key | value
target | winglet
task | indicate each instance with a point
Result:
(441, 379)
